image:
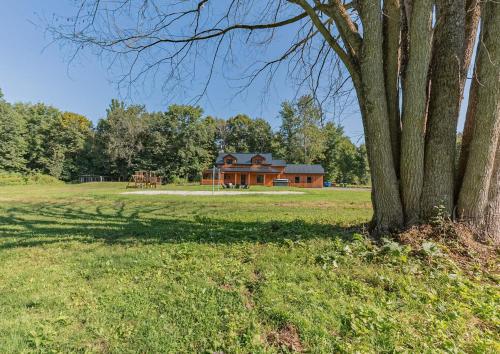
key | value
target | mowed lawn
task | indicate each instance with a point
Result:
(86, 269)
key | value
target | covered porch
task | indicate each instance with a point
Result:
(239, 178)
(210, 177)
(249, 178)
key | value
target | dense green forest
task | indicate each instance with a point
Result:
(178, 143)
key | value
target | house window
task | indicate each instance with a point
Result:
(257, 160)
(297, 179)
(229, 161)
(309, 179)
(227, 177)
(260, 179)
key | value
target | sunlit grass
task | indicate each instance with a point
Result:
(85, 268)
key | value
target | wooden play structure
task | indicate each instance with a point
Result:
(144, 179)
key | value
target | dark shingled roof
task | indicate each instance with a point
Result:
(279, 163)
(245, 158)
(312, 169)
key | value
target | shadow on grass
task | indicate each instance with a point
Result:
(37, 225)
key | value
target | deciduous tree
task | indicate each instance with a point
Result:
(392, 50)
(119, 138)
(12, 136)
(300, 130)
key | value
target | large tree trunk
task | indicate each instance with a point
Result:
(484, 118)
(414, 108)
(444, 104)
(492, 214)
(372, 99)
(392, 35)
(472, 17)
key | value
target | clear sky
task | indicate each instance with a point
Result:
(33, 71)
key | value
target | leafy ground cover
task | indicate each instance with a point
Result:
(86, 269)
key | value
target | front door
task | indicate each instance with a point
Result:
(243, 179)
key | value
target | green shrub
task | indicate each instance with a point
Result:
(7, 179)
(14, 179)
(179, 180)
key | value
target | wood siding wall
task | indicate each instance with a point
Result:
(251, 179)
(317, 180)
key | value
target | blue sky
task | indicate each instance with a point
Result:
(32, 71)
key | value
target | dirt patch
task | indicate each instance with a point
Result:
(460, 243)
(227, 287)
(209, 193)
(287, 337)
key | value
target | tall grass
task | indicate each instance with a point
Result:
(13, 179)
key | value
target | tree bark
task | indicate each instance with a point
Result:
(472, 18)
(444, 104)
(483, 115)
(392, 35)
(414, 109)
(492, 214)
(372, 99)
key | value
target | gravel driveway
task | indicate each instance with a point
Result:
(209, 192)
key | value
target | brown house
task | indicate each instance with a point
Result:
(262, 169)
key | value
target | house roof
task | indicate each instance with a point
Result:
(244, 158)
(312, 169)
(279, 163)
(261, 169)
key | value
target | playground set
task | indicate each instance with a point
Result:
(144, 179)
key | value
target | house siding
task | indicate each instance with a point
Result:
(269, 173)
(316, 180)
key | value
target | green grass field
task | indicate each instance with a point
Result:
(85, 269)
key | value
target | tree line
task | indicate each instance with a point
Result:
(178, 143)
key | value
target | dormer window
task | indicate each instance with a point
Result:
(229, 159)
(257, 160)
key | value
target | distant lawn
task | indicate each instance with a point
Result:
(85, 269)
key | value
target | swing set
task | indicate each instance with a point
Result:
(144, 179)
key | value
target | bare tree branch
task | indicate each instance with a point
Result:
(142, 38)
